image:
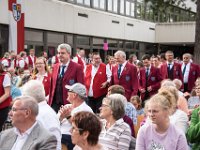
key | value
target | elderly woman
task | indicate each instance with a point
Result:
(86, 128)
(116, 134)
(160, 133)
(42, 74)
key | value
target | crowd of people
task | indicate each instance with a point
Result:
(86, 104)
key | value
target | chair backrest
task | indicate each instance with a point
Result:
(140, 118)
(64, 147)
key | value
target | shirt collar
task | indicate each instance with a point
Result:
(67, 64)
(27, 132)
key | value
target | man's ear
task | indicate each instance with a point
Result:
(85, 135)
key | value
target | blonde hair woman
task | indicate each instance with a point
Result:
(160, 133)
(41, 73)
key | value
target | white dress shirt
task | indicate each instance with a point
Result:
(21, 138)
(93, 73)
(187, 71)
(48, 118)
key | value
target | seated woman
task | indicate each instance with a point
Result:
(86, 128)
(160, 133)
(115, 134)
(177, 117)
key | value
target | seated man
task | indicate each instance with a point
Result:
(27, 133)
(76, 96)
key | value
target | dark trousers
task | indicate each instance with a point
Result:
(55, 106)
(66, 139)
(95, 103)
(3, 116)
(186, 87)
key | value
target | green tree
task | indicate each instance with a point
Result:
(160, 6)
(197, 35)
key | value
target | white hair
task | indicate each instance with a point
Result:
(34, 89)
(120, 53)
(65, 46)
(167, 83)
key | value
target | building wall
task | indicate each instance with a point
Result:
(63, 17)
(183, 32)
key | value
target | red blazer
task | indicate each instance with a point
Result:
(177, 73)
(153, 80)
(128, 79)
(46, 83)
(80, 61)
(7, 102)
(30, 62)
(73, 74)
(99, 78)
(194, 73)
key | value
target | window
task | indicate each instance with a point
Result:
(84, 2)
(122, 7)
(100, 4)
(130, 8)
(98, 42)
(55, 38)
(113, 5)
(35, 36)
(83, 40)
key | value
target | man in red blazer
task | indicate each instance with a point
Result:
(170, 69)
(190, 72)
(66, 72)
(149, 80)
(97, 79)
(31, 58)
(125, 74)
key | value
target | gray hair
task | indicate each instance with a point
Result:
(34, 89)
(116, 103)
(178, 83)
(120, 53)
(65, 46)
(30, 103)
(168, 82)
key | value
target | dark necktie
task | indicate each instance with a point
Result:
(169, 67)
(184, 69)
(62, 71)
(147, 71)
(119, 70)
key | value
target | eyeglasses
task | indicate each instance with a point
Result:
(75, 129)
(39, 63)
(13, 109)
(105, 105)
(197, 88)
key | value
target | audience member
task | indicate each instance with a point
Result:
(77, 97)
(27, 133)
(193, 132)
(137, 102)
(160, 134)
(85, 130)
(112, 110)
(46, 116)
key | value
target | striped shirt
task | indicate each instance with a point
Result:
(117, 137)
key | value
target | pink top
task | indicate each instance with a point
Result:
(149, 139)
